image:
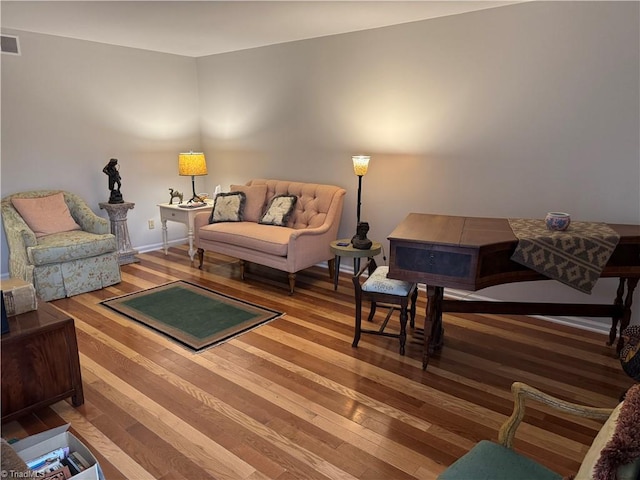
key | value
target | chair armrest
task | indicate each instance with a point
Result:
(522, 391)
(19, 235)
(88, 220)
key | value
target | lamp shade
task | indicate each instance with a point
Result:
(192, 163)
(360, 164)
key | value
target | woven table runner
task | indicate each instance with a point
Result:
(574, 257)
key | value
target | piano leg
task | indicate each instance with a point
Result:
(433, 331)
(632, 283)
(613, 333)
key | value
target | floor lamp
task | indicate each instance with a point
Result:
(194, 165)
(360, 240)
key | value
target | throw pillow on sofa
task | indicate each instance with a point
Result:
(279, 210)
(228, 207)
(256, 196)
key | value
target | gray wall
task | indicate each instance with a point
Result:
(510, 112)
(68, 106)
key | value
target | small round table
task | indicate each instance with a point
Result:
(343, 248)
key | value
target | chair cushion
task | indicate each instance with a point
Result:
(379, 283)
(490, 461)
(67, 246)
(45, 215)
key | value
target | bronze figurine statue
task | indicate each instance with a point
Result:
(111, 169)
(360, 240)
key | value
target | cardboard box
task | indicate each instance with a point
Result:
(42, 443)
(19, 296)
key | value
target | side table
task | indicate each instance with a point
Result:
(350, 252)
(40, 362)
(175, 213)
(118, 216)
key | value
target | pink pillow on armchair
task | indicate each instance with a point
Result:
(46, 215)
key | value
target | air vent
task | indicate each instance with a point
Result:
(10, 45)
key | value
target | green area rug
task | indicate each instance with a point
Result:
(193, 316)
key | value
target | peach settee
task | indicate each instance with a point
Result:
(294, 243)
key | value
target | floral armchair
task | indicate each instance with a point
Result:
(57, 243)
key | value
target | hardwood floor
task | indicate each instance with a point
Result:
(293, 399)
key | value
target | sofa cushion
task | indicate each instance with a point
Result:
(615, 452)
(256, 198)
(279, 210)
(228, 207)
(46, 215)
(268, 239)
(67, 246)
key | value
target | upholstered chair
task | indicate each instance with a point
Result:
(57, 243)
(393, 294)
(614, 453)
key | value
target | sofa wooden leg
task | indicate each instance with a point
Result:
(200, 257)
(242, 269)
(292, 282)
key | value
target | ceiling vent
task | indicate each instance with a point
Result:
(10, 45)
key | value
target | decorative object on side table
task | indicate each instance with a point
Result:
(360, 167)
(360, 241)
(112, 170)
(557, 221)
(175, 194)
(194, 165)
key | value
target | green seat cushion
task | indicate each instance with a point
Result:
(490, 461)
(68, 246)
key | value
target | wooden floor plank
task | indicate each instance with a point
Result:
(294, 400)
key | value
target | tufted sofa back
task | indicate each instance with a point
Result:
(317, 204)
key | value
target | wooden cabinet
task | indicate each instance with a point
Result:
(40, 363)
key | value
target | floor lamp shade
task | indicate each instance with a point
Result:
(360, 167)
(360, 164)
(194, 165)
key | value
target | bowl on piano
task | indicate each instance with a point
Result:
(557, 221)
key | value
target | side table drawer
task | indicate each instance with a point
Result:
(175, 215)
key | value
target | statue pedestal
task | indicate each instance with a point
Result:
(118, 216)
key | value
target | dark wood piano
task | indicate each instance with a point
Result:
(472, 253)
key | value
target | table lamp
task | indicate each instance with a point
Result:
(193, 164)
